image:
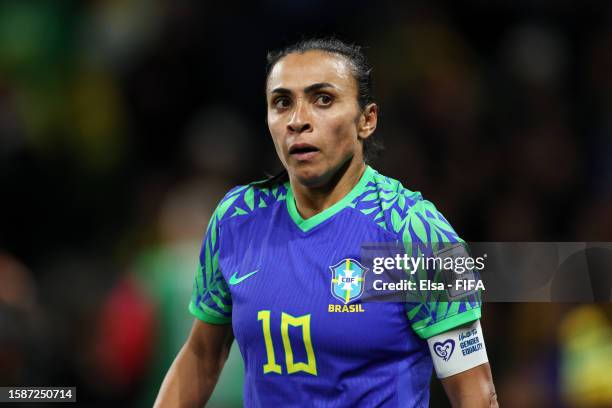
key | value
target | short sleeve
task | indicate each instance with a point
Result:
(430, 312)
(211, 300)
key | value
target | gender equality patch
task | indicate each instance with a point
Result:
(458, 350)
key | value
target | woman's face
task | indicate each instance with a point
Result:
(313, 115)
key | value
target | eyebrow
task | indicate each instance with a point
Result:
(309, 89)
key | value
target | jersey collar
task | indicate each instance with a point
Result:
(310, 223)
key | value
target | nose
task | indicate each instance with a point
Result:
(300, 119)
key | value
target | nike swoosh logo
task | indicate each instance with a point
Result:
(234, 279)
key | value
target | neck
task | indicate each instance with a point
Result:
(311, 201)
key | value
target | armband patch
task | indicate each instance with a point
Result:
(458, 350)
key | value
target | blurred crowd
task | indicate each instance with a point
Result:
(123, 123)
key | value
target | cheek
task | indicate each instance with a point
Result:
(343, 134)
(273, 127)
(276, 132)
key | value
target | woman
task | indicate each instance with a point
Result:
(280, 264)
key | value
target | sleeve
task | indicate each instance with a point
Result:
(436, 306)
(211, 300)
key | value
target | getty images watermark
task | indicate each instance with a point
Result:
(509, 271)
(452, 262)
(400, 273)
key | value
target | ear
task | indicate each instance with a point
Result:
(368, 120)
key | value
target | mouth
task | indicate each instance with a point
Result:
(303, 151)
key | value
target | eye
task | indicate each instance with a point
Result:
(323, 100)
(281, 102)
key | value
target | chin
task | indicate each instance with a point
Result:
(310, 176)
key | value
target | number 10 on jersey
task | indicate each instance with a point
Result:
(271, 366)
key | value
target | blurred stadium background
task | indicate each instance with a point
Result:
(122, 123)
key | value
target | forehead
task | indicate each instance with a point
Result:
(299, 70)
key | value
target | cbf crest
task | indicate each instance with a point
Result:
(347, 281)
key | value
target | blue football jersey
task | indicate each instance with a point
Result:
(291, 289)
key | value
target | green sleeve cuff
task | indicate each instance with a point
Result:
(449, 323)
(207, 317)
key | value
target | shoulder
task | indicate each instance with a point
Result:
(247, 200)
(402, 211)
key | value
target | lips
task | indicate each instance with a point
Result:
(300, 148)
(303, 151)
